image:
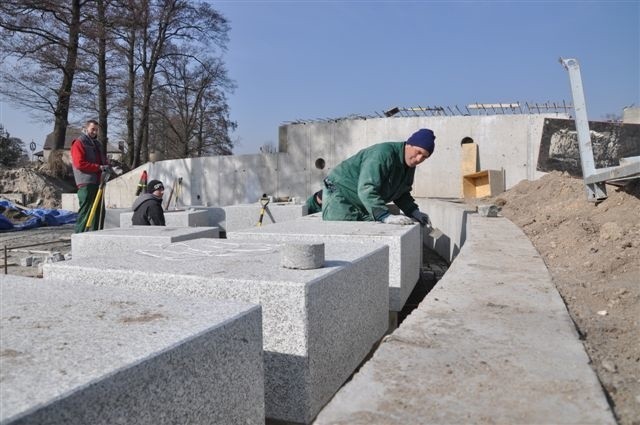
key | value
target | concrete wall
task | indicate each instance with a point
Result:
(631, 115)
(451, 219)
(509, 142)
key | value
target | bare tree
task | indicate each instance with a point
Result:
(268, 147)
(41, 39)
(121, 59)
(168, 25)
(195, 108)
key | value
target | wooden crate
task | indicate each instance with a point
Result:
(483, 183)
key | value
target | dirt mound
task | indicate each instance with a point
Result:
(593, 253)
(36, 185)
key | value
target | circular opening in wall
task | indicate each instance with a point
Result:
(320, 164)
(466, 140)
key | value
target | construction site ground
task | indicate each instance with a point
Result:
(591, 250)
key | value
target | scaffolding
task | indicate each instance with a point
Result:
(473, 109)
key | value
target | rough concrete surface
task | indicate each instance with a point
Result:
(492, 343)
(404, 245)
(118, 241)
(79, 354)
(318, 324)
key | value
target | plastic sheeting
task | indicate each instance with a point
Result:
(13, 218)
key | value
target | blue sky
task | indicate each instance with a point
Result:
(317, 59)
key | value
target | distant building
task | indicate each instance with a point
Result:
(73, 133)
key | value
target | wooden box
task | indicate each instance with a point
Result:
(483, 183)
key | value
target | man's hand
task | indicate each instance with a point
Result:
(397, 219)
(422, 218)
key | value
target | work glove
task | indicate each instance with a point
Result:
(422, 218)
(397, 219)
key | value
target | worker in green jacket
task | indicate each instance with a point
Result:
(360, 187)
(314, 203)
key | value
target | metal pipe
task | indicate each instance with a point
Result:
(582, 122)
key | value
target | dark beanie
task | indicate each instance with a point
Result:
(423, 138)
(154, 185)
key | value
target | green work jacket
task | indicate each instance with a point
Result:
(375, 176)
(312, 205)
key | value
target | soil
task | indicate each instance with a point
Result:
(40, 189)
(592, 252)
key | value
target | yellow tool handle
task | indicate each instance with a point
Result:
(94, 208)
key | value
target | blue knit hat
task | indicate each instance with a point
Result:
(423, 138)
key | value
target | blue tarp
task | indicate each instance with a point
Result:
(35, 217)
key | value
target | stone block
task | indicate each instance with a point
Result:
(112, 217)
(236, 217)
(123, 241)
(318, 324)
(181, 218)
(405, 248)
(70, 202)
(74, 353)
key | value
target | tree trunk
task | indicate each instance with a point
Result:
(131, 92)
(61, 112)
(102, 76)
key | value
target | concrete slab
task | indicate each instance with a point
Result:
(492, 343)
(235, 217)
(405, 247)
(180, 218)
(112, 217)
(79, 354)
(318, 324)
(69, 202)
(119, 241)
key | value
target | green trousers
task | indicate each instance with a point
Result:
(335, 207)
(86, 196)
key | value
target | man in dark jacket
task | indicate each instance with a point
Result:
(360, 187)
(147, 209)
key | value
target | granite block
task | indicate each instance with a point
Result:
(405, 247)
(118, 241)
(112, 217)
(180, 218)
(235, 217)
(318, 324)
(74, 353)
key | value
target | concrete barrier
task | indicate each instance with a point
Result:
(450, 217)
(236, 217)
(180, 218)
(405, 249)
(319, 324)
(112, 217)
(120, 241)
(492, 343)
(78, 354)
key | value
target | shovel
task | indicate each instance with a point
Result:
(264, 201)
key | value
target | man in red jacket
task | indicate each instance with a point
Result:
(89, 162)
